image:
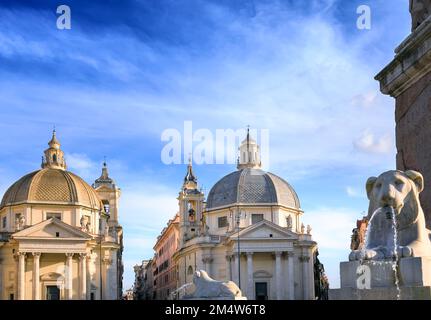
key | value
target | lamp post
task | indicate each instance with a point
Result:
(237, 217)
(101, 236)
(100, 258)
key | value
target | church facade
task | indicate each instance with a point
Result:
(60, 238)
(249, 231)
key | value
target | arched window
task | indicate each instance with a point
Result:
(54, 158)
(190, 270)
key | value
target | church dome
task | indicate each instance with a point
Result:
(252, 186)
(52, 186)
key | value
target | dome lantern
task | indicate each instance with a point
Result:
(249, 153)
(54, 156)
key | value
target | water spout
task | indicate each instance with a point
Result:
(390, 253)
(395, 253)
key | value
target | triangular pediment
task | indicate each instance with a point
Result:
(263, 230)
(51, 229)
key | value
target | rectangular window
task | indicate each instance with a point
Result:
(11, 296)
(56, 215)
(255, 218)
(4, 222)
(222, 222)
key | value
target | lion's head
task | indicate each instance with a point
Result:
(399, 190)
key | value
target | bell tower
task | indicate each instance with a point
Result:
(109, 193)
(191, 207)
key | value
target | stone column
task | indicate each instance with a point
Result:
(305, 277)
(69, 276)
(250, 271)
(207, 264)
(83, 275)
(21, 275)
(278, 279)
(36, 275)
(290, 276)
(228, 268)
(235, 271)
(89, 276)
(107, 278)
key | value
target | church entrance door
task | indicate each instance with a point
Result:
(261, 291)
(52, 293)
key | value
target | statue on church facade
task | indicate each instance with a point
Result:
(20, 222)
(420, 10)
(289, 223)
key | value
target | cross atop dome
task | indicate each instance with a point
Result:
(249, 153)
(54, 156)
(54, 143)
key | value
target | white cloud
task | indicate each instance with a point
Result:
(79, 161)
(354, 192)
(145, 208)
(82, 165)
(365, 100)
(369, 143)
(332, 229)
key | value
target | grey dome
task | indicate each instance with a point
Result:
(252, 186)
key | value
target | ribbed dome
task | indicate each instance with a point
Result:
(252, 186)
(52, 186)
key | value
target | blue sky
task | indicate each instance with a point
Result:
(128, 70)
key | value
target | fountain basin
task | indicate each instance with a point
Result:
(414, 275)
(407, 293)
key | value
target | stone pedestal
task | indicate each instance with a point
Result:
(414, 275)
(415, 272)
(408, 79)
(218, 299)
(381, 274)
(407, 293)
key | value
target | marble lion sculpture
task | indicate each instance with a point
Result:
(419, 10)
(399, 191)
(210, 288)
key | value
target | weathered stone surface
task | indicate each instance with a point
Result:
(207, 288)
(408, 79)
(420, 10)
(415, 271)
(407, 293)
(413, 135)
(381, 274)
